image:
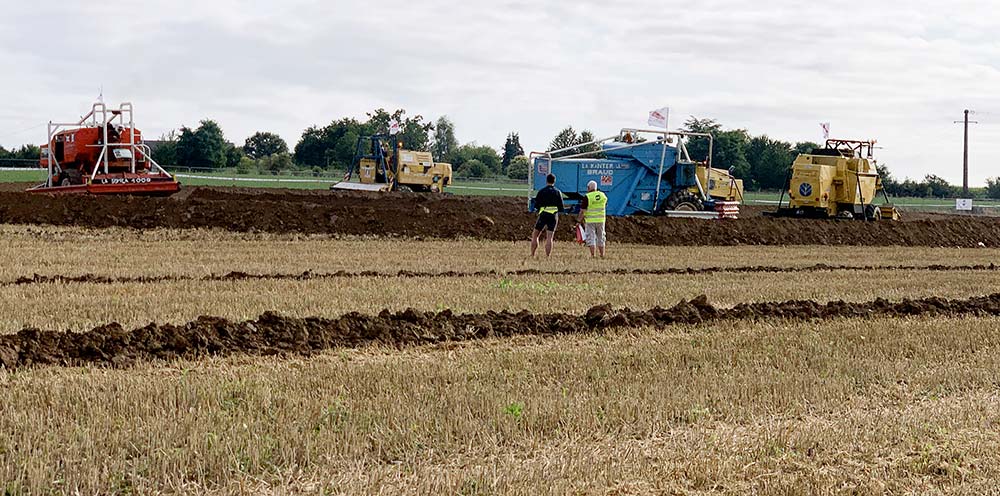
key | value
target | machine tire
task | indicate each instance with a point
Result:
(70, 177)
(404, 188)
(872, 212)
(682, 200)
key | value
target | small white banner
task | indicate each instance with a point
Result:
(826, 130)
(659, 117)
(963, 205)
(394, 127)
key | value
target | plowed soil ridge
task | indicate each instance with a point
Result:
(275, 334)
(309, 275)
(456, 217)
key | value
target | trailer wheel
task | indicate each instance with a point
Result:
(70, 177)
(873, 213)
(684, 201)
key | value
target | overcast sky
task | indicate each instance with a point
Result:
(898, 71)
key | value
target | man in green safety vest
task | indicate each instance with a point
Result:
(593, 214)
(549, 203)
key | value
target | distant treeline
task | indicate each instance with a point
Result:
(332, 147)
(761, 162)
(25, 152)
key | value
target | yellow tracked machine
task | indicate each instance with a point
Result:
(381, 168)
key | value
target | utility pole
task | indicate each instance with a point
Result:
(965, 153)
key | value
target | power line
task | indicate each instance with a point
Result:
(22, 130)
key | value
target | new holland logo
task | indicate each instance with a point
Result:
(806, 189)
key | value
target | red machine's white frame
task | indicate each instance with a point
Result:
(107, 117)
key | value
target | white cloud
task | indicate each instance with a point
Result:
(898, 71)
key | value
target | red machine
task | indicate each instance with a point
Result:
(103, 153)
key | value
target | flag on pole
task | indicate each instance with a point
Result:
(394, 127)
(826, 130)
(659, 117)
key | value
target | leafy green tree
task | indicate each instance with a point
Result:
(938, 187)
(729, 152)
(569, 138)
(202, 147)
(186, 149)
(768, 161)
(474, 168)
(519, 168)
(342, 142)
(262, 144)
(993, 188)
(312, 146)
(233, 155)
(276, 163)
(444, 139)
(165, 152)
(484, 154)
(806, 147)
(333, 145)
(512, 148)
(564, 139)
(246, 165)
(4, 153)
(414, 133)
(586, 137)
(697, 147)
(889, 182)
(26, 152)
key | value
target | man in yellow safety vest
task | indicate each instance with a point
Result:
(593, 214)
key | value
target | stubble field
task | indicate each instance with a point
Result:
(867, 397)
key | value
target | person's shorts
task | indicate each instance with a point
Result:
(546, 221)
(593, 234)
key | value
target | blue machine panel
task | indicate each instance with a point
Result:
(628, 176)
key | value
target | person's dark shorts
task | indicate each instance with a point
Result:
(547, 221)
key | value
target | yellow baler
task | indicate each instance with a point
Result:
(839, 180)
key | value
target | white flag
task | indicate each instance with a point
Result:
(659, 117)
(826, 130)
(394, 127)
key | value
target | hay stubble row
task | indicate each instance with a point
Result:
(870, 405)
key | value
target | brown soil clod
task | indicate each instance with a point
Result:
(271, 333)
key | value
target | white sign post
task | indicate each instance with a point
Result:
(963, 205)
(393, 127)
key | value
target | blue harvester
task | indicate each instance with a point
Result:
(642, 172)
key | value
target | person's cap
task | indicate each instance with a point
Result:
(592, 185)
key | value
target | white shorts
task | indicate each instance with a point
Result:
(593, 234)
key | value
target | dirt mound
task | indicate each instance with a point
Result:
(274, 334)
(245, 276)
(451, 217)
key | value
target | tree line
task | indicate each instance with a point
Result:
(760, 161)
(333, 147)
(24, 152)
